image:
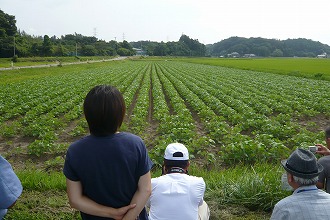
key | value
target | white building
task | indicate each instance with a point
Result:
(323, 55)
(233, 55)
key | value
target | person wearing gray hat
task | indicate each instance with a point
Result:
(307, 201)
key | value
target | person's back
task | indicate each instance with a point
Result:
(324, 176)
(176, 196)
(107, 172)
(10, 187)
(305, 203)
(108, 167)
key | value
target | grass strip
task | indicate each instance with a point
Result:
(301, 67)
(38, 180)
(240, 192)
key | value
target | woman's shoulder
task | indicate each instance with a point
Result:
(128, 135)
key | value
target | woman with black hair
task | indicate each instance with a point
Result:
(108, 171)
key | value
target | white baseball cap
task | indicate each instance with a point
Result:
(176, 151)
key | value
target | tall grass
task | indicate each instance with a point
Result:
(39, 180)
(240, 192)
(256, 187)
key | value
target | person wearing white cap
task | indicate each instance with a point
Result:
(176, 195)
(10, 187)
(307, 201)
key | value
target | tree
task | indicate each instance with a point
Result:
(160, 49)
(196, 48)
(8, 24)
(60, 51)
(47, 49)
(124, 52)
(277, 53)
(8, 31)
(262, 51)
(88, 50)
(125, 45)
(125, 49)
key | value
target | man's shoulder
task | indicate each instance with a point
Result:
(324, 159)
(195, 178)
(180, 176)
(285, 200)
(296, 198)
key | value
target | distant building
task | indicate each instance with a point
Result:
(233, 55)
(139, 52)
(323, 55)
(249, 55)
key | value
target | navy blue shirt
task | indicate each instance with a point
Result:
(108, 168)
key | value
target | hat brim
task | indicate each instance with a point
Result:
(302, 175)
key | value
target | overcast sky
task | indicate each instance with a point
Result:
(209, 21)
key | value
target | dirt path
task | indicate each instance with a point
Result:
(63, 64)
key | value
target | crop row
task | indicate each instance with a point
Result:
(241, 116)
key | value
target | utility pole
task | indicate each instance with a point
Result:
(14, 47)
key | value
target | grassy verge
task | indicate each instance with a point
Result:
(301, 67)
(49, 204)
(17, 75)
(33, 61)
(241, 192)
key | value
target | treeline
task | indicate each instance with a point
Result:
(184, 47)
(15, 43)
(69, 45)
(20, 44)
(268, 47)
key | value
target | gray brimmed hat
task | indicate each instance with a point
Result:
(302, 163)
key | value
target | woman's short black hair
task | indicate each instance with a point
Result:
(104, 109)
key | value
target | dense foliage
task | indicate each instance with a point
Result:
(67, 45)
(268, 47)
(7, 32)
(184, 47)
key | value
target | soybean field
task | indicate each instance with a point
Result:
(225, 116)
(241, 116)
